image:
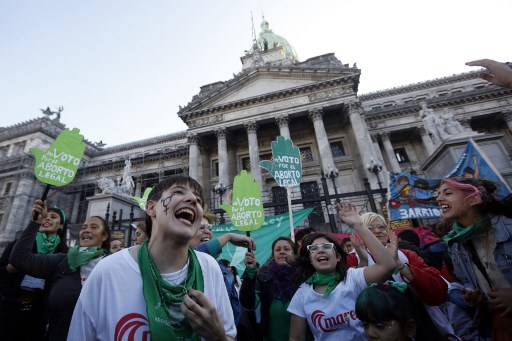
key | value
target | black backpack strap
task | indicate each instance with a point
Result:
(474, 258)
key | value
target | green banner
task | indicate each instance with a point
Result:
(273, 227)
(286, 167)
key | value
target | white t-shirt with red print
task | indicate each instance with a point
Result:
(111, 305)
(332, 317)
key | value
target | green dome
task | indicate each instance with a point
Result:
(269, 40)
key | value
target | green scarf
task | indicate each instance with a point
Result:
(79, 255)
(460, 234)
(46, 245)
(163, 300)
(323, 279)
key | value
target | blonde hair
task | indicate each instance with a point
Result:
(368, 217)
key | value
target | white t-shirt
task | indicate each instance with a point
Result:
(332, 317)
(111, 305)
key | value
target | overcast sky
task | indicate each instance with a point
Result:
(121, 68)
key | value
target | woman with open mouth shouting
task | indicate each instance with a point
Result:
(161, 289)
(326, 301)
(65, 272)
(480, 246)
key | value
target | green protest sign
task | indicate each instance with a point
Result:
(287, 165)
(58, 165)
(142, 201)
(246, 209)
(273, 227)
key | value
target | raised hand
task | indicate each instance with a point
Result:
(287, 165)
(349, 214)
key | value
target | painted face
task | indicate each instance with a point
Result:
(140, 236)
(323, 259)
(92, 233)
(283, 251)
(384, 331)
(177, 213)
(379, 230)
(115, 246)
(51, 224)
(452, 202)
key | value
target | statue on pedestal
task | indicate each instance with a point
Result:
(433, 123)
(125, 185)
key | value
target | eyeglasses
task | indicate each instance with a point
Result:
(202, 227)
(316, 247)
(380, 324)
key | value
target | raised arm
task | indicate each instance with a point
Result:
(497, 73)
(22, 258)
(384, 263)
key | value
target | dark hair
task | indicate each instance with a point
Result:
(490, 204)
(304, 232)
(410, 236)
(62, 233)
(291, 242)
(162, 186)
(106, 229)
(224, 262)
(382, 302)
(304, 261)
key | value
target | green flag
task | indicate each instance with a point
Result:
(272, 228)
(58, 165)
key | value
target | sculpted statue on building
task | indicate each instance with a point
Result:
(433, 123)
(452, 126)
(125, 185)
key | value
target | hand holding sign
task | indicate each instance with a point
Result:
(58, 165)
(287, 165)
(246, 210)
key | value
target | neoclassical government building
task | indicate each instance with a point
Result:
(231, 126)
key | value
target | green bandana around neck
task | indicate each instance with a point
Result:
(319, 278)
(163, 300)
(46, 245)
(79, 255)
(460, 234)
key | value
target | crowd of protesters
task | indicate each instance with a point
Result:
(374, 285)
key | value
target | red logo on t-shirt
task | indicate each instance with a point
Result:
(333, 323)
(133, 324)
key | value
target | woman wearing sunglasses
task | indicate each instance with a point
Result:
(326, 301)
(393, 312)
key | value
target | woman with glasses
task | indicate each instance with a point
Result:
(272, 287)
(393, 312)
(480, 246)
(326, 301)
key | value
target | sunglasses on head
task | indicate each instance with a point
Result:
(202, 227)
(316, 247)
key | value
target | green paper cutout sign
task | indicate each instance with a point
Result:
(58, 165)
(246, 209)
(287, 165)
(141, 201)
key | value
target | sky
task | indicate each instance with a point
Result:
(121, 68)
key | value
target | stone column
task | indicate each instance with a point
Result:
(378, 152)
(507, 115)
(282, 122)
(364, 144)
(395, 167)
(324, 147)
(223, 156)
(427, 141)
(254, 152)
(193, 156)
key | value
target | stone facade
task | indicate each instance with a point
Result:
(232, 125)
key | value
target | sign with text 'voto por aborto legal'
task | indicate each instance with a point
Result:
(246, 208)
(286, 167)
(58, 165)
